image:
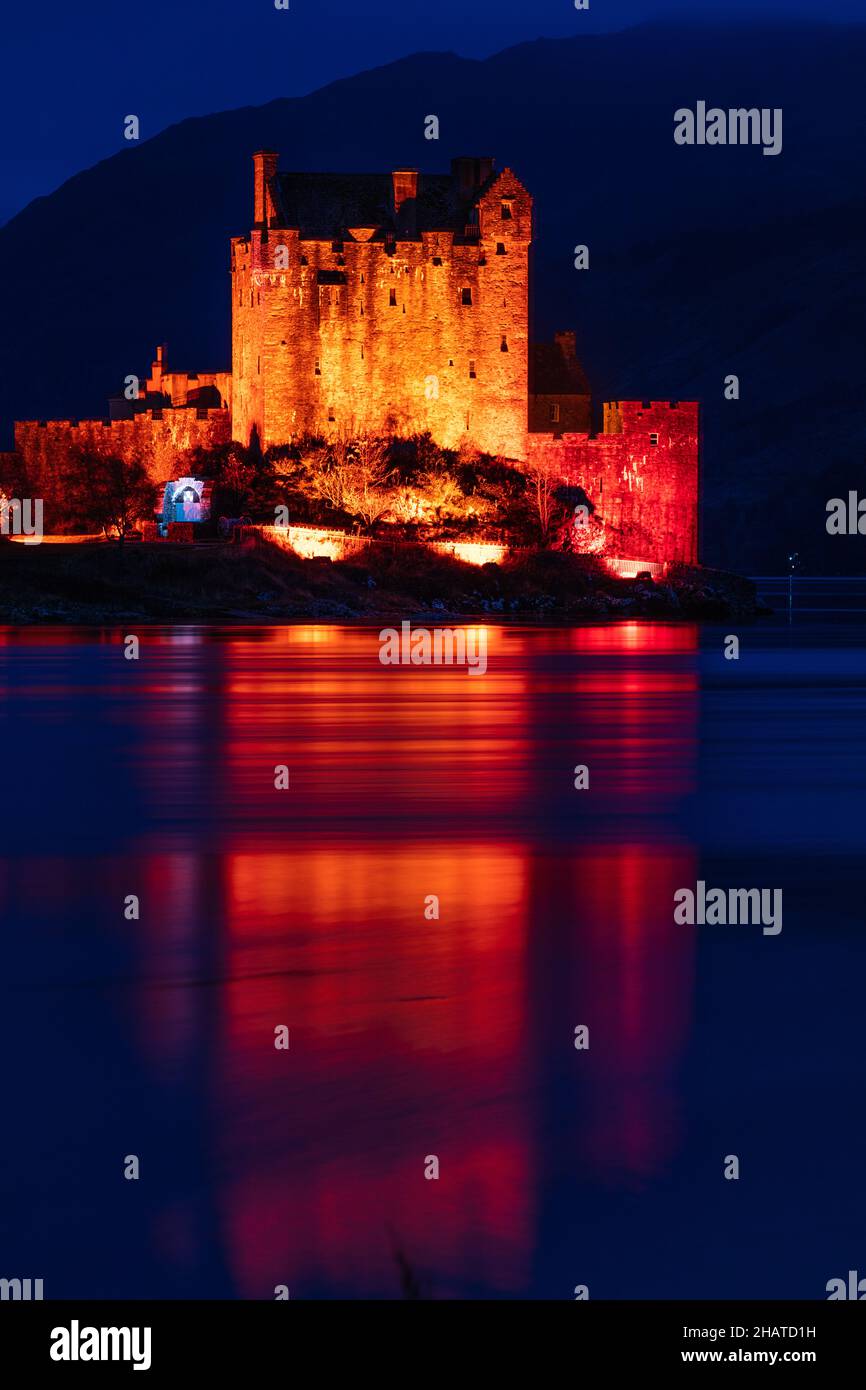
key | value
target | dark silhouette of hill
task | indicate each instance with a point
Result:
(704, 261)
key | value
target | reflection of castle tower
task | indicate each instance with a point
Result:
(395, 301)
(610, 955)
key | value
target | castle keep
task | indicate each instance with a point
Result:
(398, 304)
(384, 302)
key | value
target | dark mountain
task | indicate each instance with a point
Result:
(704, 261)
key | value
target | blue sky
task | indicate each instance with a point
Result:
(69, 77)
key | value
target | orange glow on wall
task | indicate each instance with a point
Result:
(477, 553)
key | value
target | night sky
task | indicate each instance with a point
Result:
(69, 77)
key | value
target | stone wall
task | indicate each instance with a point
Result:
(641, 476)
(575, 413)
(359, 335)
(310, 542)
(159, 441)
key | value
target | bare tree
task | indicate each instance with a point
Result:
(355, 478)
(544, 484)
(404, 504)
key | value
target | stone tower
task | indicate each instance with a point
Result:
(383, 303)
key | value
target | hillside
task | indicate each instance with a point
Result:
(704, 262)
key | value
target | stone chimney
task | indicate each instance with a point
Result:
(264, 168)
(405, 185)
(567, 344)
(157, 368)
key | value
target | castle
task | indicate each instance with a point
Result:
(398, 304)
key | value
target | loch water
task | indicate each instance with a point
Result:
(412, 1036)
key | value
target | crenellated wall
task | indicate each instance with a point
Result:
(157, 438)
(640, 474)
(422, 333)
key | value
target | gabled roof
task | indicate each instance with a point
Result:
(551, 373)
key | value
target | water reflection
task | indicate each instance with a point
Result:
(409, 1036)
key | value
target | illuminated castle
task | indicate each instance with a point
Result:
(398, 304)
(384, 302)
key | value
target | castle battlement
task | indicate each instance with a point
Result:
(389, 303)
(157, 437)
(640, 475)
(175, 418)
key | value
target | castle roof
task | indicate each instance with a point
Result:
(325, 206)
(552, 372)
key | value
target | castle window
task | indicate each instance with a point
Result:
(304, 261)
(258, 296)
(318, 371)
(331, 415)
(554, 413)
(392, 299)
(437, 260)
(654, 439)
(466, 296)
(503, 346)
(507, 213)
(259, 364)
(500, 248)
(251, 299)
(472, 369)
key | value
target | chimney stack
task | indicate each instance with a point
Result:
(157, 368)
(405, 186)
(264, 169)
